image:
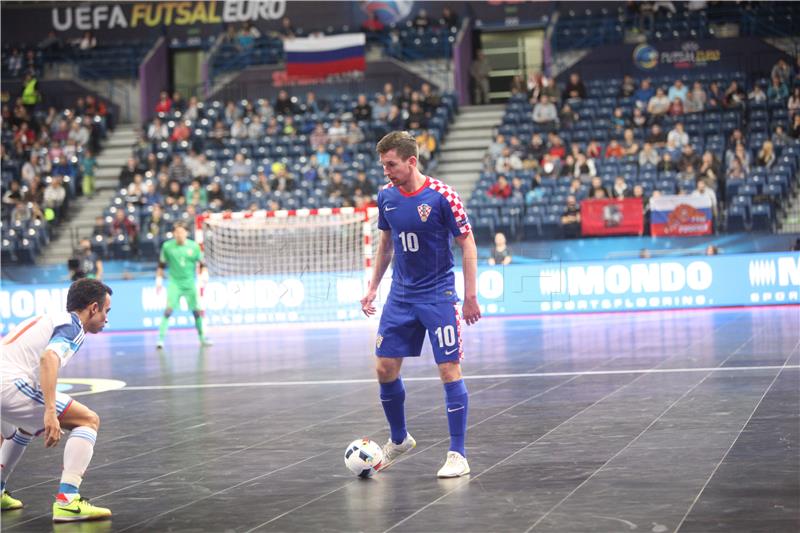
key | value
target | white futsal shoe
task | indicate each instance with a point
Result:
(392, 451)
(455, 466)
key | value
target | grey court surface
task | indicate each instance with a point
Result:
(657, 422)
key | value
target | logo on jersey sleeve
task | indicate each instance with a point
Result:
(424, 211)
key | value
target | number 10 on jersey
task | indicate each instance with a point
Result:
(410, 241)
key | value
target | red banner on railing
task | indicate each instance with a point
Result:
(612, 217)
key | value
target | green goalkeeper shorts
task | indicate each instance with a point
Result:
(175, 292)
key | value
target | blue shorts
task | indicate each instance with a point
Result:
(403, 326)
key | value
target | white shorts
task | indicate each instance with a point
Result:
(22, 406)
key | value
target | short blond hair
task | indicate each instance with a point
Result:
(401, 141)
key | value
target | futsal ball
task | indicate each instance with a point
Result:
(363, 457)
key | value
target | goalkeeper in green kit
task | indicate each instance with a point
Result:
(181, 256)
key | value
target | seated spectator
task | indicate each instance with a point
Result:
(196, 195)
(337, 133)
(449, 19)
(575, 89)
(571, 218)
(551, 166)
(164, 104)
(178, 170)
(289, 129)
(656, 137)
(567, 117)
(667, 164)
(644, 93)
(793, 105)
(87, 41)
(736, 171)
(710, 169)
(501, 253)
(629, 145)
(766, 156)
(363, 186)
(735, 95)
(545, 113)
(678, 135)
(556, 146)
(757, 95)
(614, 150)
(678, 90)
(779, 137)
(584, 168)
(381, 108)
(593, 149)
(319, 137)
(628, 87)
(178, 103)
(695, 101)
(672, 149)
(496, 147)
(427, 146)
(687, 173)
(777, 91)
(518, 85)
(255, 130)
(394, 120)
(373, 24)
(157, 131)
(11, 196)
(621, 189)
(54, 196)
(676, 108)
(283, 104)
(156, 224)
(174, 194)
(508, 162)
(517, 189)
(658, 106)
(241, 167)
(363, 109)
(151, 195)
(619, 121)
(782, 71)
(421, 21)
(500, 189)
(181, 132)
(595, 185)
(282, 180)
(715, 97)
(337, 188)
(123, 224)
(741, 154)
(416, 117)
(202, 168)
(794, 131)
(238, 129)
(354, 134)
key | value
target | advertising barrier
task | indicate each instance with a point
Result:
(540, 288)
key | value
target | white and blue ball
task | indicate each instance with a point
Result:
(363, 457)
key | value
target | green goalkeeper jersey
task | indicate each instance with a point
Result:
(181, 260)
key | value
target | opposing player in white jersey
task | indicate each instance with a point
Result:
(30, 358)
(419, 217)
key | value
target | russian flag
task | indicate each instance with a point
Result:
(678, 216)
(319, 57)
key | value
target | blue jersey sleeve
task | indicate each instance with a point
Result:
(65, 340)
(382, 223)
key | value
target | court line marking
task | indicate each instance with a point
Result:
(735, 440)
(466, 377)
(471, 478)
(634, 439)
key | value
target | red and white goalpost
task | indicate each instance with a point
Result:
(287, 243)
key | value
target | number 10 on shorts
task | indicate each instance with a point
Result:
(446, 336)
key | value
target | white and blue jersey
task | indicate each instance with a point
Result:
(22, 349)
(423, 224)
(21, 397)
(423, 296)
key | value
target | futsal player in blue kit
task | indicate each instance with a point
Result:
(418, 218)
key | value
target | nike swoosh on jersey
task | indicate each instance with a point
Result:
(450, 351)
(387, 209)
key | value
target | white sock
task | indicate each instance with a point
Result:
(77, 455)
(10, 453)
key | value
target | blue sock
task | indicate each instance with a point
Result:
(393, 396)
(457, 401)
(66, 488)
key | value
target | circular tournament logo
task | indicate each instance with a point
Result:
(389, 12)
(645, 57)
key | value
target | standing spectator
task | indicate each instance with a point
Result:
(571, 218)
(501, 253)
(575, 89)
(479, 71)
(88, 167)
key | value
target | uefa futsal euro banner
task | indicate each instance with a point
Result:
(516, 289)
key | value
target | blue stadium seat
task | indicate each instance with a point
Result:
(761, 218)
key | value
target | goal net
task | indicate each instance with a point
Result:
(301, 265)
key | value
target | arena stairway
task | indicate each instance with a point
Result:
(117, 148)
(461, 155)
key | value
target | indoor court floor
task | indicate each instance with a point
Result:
(657, 422)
